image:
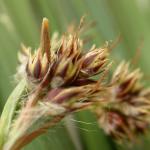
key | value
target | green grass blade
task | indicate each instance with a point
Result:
(9, 110)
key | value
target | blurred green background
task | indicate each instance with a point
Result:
(20, 21)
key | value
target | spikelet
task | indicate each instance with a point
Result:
(126, 113)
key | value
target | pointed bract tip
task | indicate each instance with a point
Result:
(45, 39)
(45, 23)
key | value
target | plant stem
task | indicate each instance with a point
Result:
(20, 143)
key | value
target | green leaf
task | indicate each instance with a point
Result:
(9, 110)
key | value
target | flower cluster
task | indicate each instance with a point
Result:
(63, 69)
(126, 113)
(60, 81)
(65, 62)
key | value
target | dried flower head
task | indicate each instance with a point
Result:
(58, 76)
(59, 82)
(126, 112)
(64, 58)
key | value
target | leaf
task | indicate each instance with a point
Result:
(9, 110)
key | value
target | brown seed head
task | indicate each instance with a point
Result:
(126, 112)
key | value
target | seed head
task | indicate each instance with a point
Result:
(61, 72)
(126, 112)
(62, 61)
(121, 126)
